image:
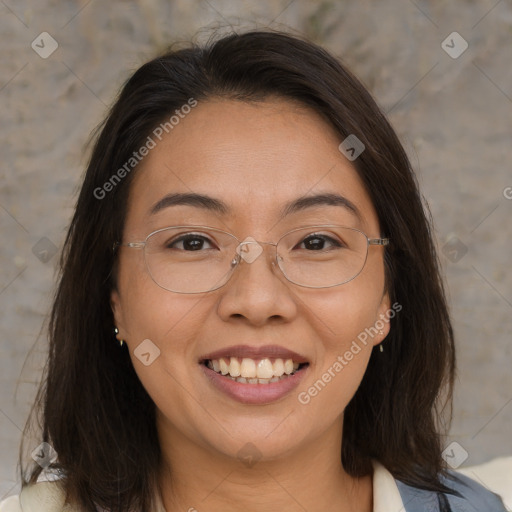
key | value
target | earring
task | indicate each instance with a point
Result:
(381, 348)
(116, 331)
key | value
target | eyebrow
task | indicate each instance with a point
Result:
(212, 204)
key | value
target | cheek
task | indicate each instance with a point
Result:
(159, 323)
(149, 311)
(345, 320)
(341, 359)
(346, 328)
(166, 325)
(169, 320)
(346, 312)
(173, 323)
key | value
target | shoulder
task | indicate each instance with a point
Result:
(486, 487)
(39, 497)
(495, 475)
(10, 504)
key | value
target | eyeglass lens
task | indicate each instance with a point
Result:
(195, 260)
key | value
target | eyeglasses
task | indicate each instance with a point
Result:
(198, 259)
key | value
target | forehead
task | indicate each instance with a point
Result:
(255, 156)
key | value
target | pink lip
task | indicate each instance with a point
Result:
(257, 394)
(241, 351)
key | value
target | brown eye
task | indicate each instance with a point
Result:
(317, 242)
(190, 242)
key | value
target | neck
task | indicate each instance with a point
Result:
(198, 478)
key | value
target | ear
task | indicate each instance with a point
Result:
(382, 320)
(117, 310)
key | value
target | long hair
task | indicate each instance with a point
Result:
(93, 409)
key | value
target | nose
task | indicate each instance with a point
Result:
(257, 290)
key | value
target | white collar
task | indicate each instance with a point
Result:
(386, 496)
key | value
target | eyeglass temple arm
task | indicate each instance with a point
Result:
(128, 244)
(378, 241)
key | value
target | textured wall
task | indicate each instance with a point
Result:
(453, 113)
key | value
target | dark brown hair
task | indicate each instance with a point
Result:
(94, 410)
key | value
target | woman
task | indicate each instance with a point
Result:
(250, 314)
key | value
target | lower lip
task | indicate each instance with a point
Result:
(254, 393)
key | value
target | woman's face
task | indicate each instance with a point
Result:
(255, 158)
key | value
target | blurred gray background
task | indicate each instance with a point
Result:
(451, 106)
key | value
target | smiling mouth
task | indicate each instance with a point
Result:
(254, 371)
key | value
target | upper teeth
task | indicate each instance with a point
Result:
(250, 368)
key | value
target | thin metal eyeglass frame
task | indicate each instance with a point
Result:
(237, 258)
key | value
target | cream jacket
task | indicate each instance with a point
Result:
(496, 475)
